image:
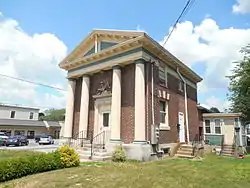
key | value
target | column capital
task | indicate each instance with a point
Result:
(140, 61)
(116, 67)
(85, 76)
(71, 80)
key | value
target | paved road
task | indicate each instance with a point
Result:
(34, 147)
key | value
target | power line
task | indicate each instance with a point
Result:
(184, 11)
(32, 82)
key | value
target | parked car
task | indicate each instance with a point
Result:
(17, 140)
(4, 137)
(46, 139)
(2, 141)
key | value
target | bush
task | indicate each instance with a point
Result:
(12, 168)
(119, 155)
(68, 156)
(16, 167)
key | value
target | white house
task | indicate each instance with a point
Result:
(20, 120)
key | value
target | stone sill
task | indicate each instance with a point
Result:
(164, 127)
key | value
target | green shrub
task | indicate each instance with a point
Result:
(12, 168)
(119, 155)
(68, 156)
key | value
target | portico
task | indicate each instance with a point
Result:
(107, 105)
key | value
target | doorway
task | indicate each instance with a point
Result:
(182, 127)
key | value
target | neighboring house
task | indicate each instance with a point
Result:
(223, 128)
(17, 120)
(124, 82)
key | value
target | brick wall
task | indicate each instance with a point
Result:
(176, 104)
(77, 105)
(95, 80)
(127, 103)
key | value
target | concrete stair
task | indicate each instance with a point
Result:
(99, 154)
(228, 151)
(185, 151)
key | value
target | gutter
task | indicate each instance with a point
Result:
(186, 105)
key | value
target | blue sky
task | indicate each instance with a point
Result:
(71, 21)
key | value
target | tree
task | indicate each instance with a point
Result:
(214, 110)
(239, 87)
(53, 115)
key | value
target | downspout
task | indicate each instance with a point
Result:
(186, 106)
(147, 122)
(152, 91)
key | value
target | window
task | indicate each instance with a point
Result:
(162, 76)
(217, 126)
(31, 115)
(31, 134)
(6, 132)
(236, 122)
(12, 114)
(162, 112)
(105, 119)
(181, 86)
(207, 126)
(19, 132)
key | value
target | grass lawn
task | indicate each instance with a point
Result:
(212, 172)
(14, 153)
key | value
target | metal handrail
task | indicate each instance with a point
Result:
(78, 139)
(98, 139)
(196, 141)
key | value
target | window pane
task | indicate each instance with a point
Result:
(162, 106)
(217, 130)
(207, 123)
(31, 115)
(208, 130)
(105, 119)
(12, 114)
(217, 122)
(162, 117)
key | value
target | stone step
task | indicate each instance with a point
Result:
(94, 153)
(186, 149)
(186, 146)
(184, 152)
(184, 156)
(89, 149)
(95, 158)
(227, 154)
(227, 150)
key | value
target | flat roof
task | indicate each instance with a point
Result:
(222, 114)
(27, 123)
(18, 106)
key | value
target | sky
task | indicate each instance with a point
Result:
(36, 35)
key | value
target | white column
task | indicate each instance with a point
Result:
(116, 105)
(140, 125)
(69, 110)
(84, 108)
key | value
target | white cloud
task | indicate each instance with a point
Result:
(1, 14)
(32, 57)
(242, 6)
(210, 45)
(213, 101)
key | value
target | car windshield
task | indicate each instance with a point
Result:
(44, 136)
(12, 137)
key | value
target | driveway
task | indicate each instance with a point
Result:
(35, 147)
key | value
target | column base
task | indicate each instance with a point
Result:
(115, 140)
(140, 142)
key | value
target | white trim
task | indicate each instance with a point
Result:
(105, 65)
(164, 127)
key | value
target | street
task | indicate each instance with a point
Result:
(35, 147)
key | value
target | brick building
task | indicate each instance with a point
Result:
(123, 82)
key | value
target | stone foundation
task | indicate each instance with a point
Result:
(140, 152)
